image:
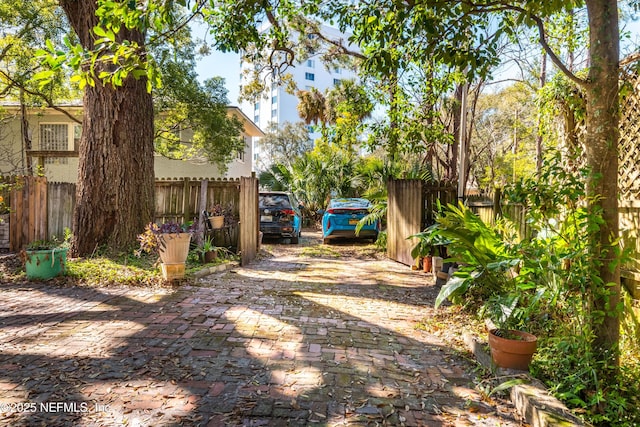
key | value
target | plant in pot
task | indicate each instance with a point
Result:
(218, 215)
(171, 240)
(496, 277)
(46, 259)
(208, 250)
(427, 246)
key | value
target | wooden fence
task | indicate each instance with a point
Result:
(28, 217)
(41, 210)
(183, 200)
(490, 207)
(411, 208)
(249, 220)
(412, 205)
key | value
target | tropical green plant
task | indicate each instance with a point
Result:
(427, 242)
(488, 267)
(207, 245)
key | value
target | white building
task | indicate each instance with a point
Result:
(55, 136)
(276, 106)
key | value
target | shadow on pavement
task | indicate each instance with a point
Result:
(280, 342)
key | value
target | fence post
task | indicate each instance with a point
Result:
(497, 204)
(204, 184)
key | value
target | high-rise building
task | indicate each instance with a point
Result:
(275, 106)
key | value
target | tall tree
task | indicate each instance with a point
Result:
(285, 143)
(115, 192)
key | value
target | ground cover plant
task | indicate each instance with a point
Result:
(112, 269)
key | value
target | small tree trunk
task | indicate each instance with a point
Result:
(602, 136)
(539, 139)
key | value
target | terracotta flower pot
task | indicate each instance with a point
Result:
(427, 264)
(513, 350)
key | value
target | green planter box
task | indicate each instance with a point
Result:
(46, 263)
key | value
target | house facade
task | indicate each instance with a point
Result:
(47, 140)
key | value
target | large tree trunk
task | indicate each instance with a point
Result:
(602, 156)
(115, 192)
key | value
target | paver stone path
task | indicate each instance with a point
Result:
(308, 335)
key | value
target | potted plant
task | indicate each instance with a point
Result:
(426, 247)
(216, 216)
(208, 250)
(46, 259)
(171, 240)
(495, 274)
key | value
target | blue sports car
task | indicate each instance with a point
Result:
(341, 217)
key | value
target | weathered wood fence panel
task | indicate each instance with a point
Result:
(61, 203)
(404, 217)
(629, 226)
(249, 223)
(433, 194)
(491, 207)
(179, 200)
(28, 218)
(412, 207)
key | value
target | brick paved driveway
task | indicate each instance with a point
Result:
(300, 338)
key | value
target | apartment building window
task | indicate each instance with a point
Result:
(274, 99)
(337, 70)
(274, 113)
(336, 82)
(311, 63)
(309, 76)
(59, 137)
(256, 106)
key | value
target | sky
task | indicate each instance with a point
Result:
(218, 64)
(227, 65)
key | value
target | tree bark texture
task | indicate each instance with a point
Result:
(115, 190)
(602, 137)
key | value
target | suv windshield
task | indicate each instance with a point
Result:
(275, 201)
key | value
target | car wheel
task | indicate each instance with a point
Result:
(295, 240)
(325, 241)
